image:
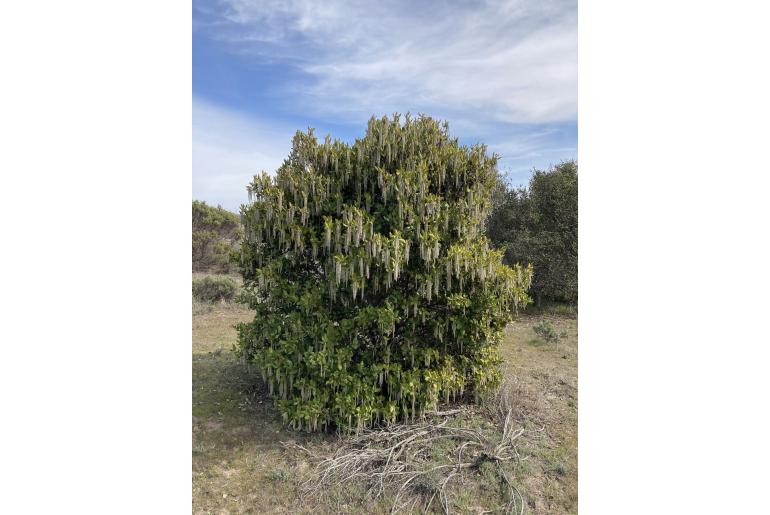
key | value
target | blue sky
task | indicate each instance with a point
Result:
(502, 73)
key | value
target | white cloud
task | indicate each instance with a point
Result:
(229, 149)
(509, 62)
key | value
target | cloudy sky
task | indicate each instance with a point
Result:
(502, 73)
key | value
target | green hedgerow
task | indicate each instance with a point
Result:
(376, 292)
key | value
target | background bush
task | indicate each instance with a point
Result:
(539, 225)
(214, 289)
(216, 234)
(546, 331)
(376, 292)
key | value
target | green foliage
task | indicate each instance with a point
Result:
(376, 293)
(216, 233)
(214, 289)
(280, 474)
(545, 330)
(539, 225)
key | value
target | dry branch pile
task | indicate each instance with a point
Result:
(398, 458)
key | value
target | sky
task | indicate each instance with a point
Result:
(503, 73)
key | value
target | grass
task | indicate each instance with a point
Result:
(235, 277)
(240, 465)
(557, 309)
(545, 387)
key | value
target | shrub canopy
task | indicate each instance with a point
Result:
(216, 233)
(376, 291)
(539, 225)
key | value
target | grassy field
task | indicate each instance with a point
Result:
(240, 464)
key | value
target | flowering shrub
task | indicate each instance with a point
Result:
(376, 293)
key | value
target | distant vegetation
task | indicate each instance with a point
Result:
(539, 225)
(214, 289)
(216, 233)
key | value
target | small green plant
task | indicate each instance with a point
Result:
(545, 330)
(559, 469)
(214, 289)
(279, 474)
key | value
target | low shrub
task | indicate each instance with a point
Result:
(216, 234)
(214, 288)
(545, 330)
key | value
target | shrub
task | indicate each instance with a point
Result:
(545, 330)
(214, 289)
(376, 292)
(539, 225)
(216, 233)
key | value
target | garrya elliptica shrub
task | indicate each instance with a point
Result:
(376, 292)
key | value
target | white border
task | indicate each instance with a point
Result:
(673, 114)
(95, 163)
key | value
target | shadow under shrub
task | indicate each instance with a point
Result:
(214, 289)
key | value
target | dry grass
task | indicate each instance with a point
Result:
(244, 461)
(544, 394)
(201, 274)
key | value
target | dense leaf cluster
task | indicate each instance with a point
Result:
(539, 225)
(377, 294)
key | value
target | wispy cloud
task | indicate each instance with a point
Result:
(228, 149)
(502, 73)
(471, 62)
